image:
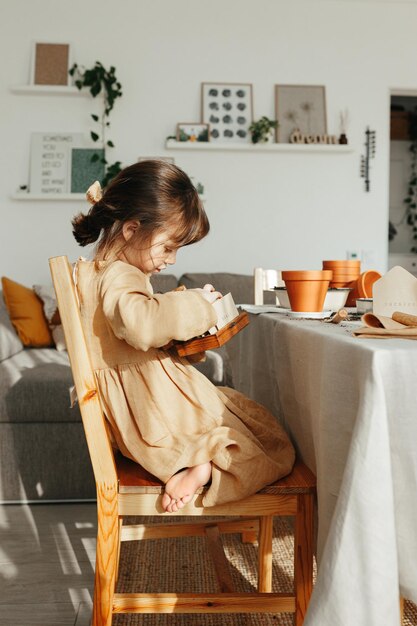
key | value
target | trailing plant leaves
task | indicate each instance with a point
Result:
(95, 89)
(112, 171)
(100, 81)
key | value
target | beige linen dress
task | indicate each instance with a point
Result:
(162, 412)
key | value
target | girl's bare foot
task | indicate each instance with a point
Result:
(182, 486)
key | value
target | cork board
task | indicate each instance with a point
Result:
(51, 64)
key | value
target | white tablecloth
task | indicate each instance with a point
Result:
(350, 405)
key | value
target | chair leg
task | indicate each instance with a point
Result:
(303, 555)
(401, 609)
(265, 554)
(119, 543)
(106, 557)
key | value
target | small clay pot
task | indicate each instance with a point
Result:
(349, 284)
(307, 289)
(350, 263)
(345, 274)
(362, 288)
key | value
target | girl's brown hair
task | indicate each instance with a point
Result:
(157, 194)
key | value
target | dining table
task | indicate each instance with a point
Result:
(349, 405)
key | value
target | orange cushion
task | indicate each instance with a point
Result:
(26, 314)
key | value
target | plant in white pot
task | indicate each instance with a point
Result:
(262, 131)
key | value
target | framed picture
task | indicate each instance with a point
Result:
(50, 161)
(50, 64)
(300, 107)
(228, 109)
(193, 132)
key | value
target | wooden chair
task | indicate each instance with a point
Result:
(265, 280)
(124, 488)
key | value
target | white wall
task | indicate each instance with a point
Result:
(278, 210)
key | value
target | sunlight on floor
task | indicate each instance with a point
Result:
(66, 554)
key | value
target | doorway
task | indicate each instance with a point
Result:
(401, 235)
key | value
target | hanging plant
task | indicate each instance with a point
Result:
(100, 81)
(411, 199)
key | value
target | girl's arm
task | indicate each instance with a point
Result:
(145, 320)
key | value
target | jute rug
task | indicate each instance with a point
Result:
(184, 565)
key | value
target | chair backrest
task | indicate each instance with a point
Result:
(265, 280)
(94, 422)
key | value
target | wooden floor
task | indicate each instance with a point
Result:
(47, 557)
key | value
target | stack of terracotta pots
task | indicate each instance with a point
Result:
(348, 274)
(344, 272)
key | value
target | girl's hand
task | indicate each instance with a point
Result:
(209, 293)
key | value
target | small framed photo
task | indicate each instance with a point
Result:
(228, 108)
(193, 132)
(300, 107)
(50, 64)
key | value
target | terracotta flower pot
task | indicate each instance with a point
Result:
(307, 289)
(345, 273)
(362, 288)
(350, 284)
(351, 263)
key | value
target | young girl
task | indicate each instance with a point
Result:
(162, 412)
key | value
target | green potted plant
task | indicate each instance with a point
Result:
(262, 131)
(99, 80)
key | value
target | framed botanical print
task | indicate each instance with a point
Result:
(228, 109)
(301, 107)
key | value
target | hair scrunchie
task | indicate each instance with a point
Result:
(94, 193)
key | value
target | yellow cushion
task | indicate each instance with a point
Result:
(26, 314)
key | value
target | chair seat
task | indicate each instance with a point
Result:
(133, 478)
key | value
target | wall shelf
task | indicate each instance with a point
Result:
(49, 196)
(171, 144)
(50, 90)
(58, 196)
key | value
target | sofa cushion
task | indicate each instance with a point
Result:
(50, 308)
(34, 387)
(239, 285)
(163, 282)
(10, 343)
(26, 314)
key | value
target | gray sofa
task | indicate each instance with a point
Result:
(43, 454)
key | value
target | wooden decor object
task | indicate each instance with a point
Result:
(124, 488)
(211, 342)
